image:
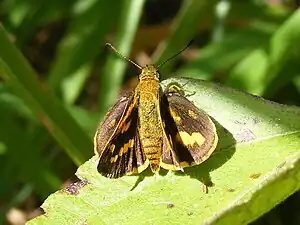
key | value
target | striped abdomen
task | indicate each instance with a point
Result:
(150, 129)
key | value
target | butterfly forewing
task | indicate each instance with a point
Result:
(109, 124)
(120, 154)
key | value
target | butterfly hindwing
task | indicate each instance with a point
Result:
(190, 131)
(121, 154)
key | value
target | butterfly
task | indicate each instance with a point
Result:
(153, 128)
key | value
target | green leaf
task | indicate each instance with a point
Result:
(222, 56)
(286, 75)
(257, 71)
(27, 18)
(183, 30)
(19, 76)
(255, 166)
(80, 46)
(19, 162)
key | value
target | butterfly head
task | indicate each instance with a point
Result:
(149, 72)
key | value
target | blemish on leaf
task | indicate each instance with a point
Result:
(170, 205)
(190, 213)
(230, 189)
(255, 175)
(255, 121)
(281, 165)
(74, 188)
(245, 135)
(239, 122)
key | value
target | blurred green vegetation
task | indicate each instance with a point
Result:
(57, 79)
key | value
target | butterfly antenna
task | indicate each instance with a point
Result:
(187, 46)
(122, 56)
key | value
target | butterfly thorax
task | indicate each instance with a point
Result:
(149, 125)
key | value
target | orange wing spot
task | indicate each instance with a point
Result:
(112, 123)
(192, 114)
(175, 116)
(126, 147)
(129, 111)
(122, 150)
(112, 148)
(178, 138)
(187, 139)
(126, 127)
(114, 159)
(198, 138)
(131, 143)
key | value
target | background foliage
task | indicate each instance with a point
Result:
(48, 114)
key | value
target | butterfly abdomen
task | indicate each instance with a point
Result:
(150, 129)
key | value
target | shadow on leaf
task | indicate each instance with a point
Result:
(226, 145)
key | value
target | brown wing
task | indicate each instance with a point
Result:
(119, 150)
(190, 132)
(109, 124)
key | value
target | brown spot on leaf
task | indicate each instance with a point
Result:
(231, 190)
(190, 213)
(170, 205)
(74, 188)
(245, 135)
(281, 165)
(255, 175)
(255, 121)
